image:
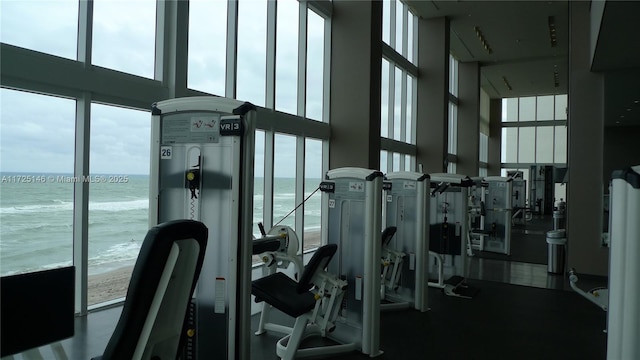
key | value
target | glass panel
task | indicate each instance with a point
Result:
(408, 125)
(396, 162)
(207, 46)
(560, 142)
(526, 145)
(386, 21)
(284, 182)
(408, 159)
(453, 129)
(399, 23)
(509, 149)
(453, 76)
(510, 109)
(252, 51)
(119, 163)
(124, 36)
(313, 206)
(484, 148)
(258, 184)
(287, 56)
(561, 107)
(49, 26)
(410, 54)
(315, 62)
(527, 109)
(560, 192)
(383, 161)
(397, 105)
(386, 87)
(451, 168)
(544, 145)
(545, 108)
(36, 203)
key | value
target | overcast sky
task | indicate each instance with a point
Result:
(37, 132)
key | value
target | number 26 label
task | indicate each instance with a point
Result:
(165, 152)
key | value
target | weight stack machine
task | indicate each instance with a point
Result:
(202, 169)
(354, 224)
(407, 208)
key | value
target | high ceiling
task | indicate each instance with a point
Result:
(522, 55)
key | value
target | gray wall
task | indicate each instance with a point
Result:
(495, 140)
(621, 150)
(433, 94)
(356, 75)
(468, 119)
(585, 150)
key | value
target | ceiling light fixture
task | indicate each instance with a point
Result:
(556, 76)
(506, 83)
(552, 31)
(483, 40)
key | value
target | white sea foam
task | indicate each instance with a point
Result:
(60, 205)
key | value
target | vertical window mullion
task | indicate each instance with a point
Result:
(299, 190)
(270, 84)
(392, 100)
(302, 59)
(231, 77)
(403, 107)
(81, 165)
(326, 82)
(392, 23)
(405, 36)
(81, 202)
(269, 146)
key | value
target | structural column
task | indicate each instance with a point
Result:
(356, 77)
(585, 150)
(433, 94)
(468, 118)
(495, 137)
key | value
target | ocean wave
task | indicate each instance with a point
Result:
(116, 253)
(60, 205)
(39, 268)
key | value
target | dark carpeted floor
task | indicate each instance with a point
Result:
(502, 322)
(528, 242)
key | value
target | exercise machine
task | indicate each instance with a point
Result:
(314, 302)
(202, 153)
(405, 254)
(354, 225)
(623, 316)
(598, 295)
(497, 218)
(278, 250)
(477, 211)
(521, 213)
(448, 233)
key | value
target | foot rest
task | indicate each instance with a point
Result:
(263, 245)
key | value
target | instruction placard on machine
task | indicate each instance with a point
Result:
(193, 129)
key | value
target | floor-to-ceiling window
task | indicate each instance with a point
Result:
(36, 190)
(398, 92)
(452, 123)
(483, 151)
(94, 121)
(534, 135)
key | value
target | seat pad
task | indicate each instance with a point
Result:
(280, 291)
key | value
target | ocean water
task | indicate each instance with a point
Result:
(36, 217)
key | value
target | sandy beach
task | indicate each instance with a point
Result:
(113, 284)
